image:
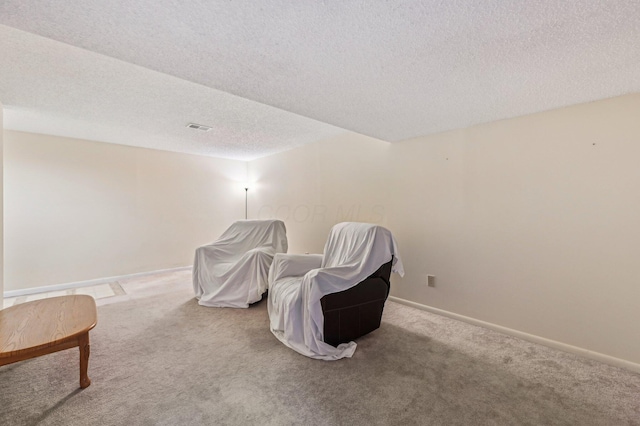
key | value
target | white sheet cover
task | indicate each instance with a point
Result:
(233, 271)
(352, 253)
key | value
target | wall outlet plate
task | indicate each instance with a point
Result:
(431, 280)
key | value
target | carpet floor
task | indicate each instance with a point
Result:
(161, 359)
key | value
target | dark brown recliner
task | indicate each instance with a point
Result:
(354, 312)
(320, 304)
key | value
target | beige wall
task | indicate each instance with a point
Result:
(313, 187)
(78, 210)
(531, 224)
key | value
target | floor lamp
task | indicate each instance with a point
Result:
(246, 193)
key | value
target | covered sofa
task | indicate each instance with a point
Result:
(319, 303)
(232, 271)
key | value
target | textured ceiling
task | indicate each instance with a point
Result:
(389, 69)
(53, 88)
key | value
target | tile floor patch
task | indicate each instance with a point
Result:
(117, 289)
(98, 291)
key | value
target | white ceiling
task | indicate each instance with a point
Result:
(54, 88)
(270, 75)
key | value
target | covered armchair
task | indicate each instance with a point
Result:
(319, 303)
(232, 271)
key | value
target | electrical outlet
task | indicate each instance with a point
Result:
(431, 280)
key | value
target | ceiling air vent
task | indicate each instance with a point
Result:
(198, 127)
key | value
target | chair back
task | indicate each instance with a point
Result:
(245, 235)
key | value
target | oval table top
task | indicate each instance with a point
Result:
(39, 324)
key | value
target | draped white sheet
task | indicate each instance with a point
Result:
(232, 271)
(352, 253)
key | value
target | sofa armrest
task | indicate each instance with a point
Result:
(292, 265)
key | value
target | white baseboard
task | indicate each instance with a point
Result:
(617, 362)
(87, 283)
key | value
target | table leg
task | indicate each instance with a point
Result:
(83, 343)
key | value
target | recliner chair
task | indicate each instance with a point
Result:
(233, 270)
(318, 304)
(352, 313)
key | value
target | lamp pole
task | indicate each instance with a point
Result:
(246, 193)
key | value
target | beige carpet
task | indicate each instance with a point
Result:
(160, 359)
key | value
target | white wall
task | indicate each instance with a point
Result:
(532, 223)
(313, 187)
(78, 210)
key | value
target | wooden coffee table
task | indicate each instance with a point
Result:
(45, 326)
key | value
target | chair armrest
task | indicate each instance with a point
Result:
(292, 265)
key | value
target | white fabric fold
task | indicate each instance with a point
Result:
(233, 271)
(293, 265)
(352, 253)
